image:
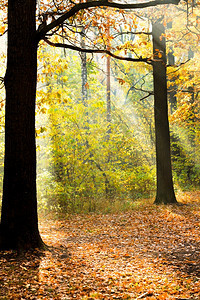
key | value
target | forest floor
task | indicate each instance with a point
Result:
(151, 252)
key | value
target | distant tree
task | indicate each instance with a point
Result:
(83, 56)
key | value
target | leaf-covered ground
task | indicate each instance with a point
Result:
(152, 252)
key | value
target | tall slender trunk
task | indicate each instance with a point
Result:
(84, 70)
(19, 221)
(165, 190)
(108, 85)
(108, 91)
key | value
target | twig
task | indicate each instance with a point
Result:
(145, 295)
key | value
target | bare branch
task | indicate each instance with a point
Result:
(178, 66)
(103, 51)
(4, 32)
(1, 83)
(131, 32)
(149, 94)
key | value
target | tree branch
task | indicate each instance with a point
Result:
(104, 3)
(104, 51)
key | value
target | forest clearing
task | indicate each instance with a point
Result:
(151, 252)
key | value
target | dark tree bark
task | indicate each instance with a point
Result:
(165, 190)
(19, 222)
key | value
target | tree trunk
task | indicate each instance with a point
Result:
(108, 91)
(108, 85)
(165, 190)
(172, 90)
(19, 222)
(84, 70)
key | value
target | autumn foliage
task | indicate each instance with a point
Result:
(151, 252)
